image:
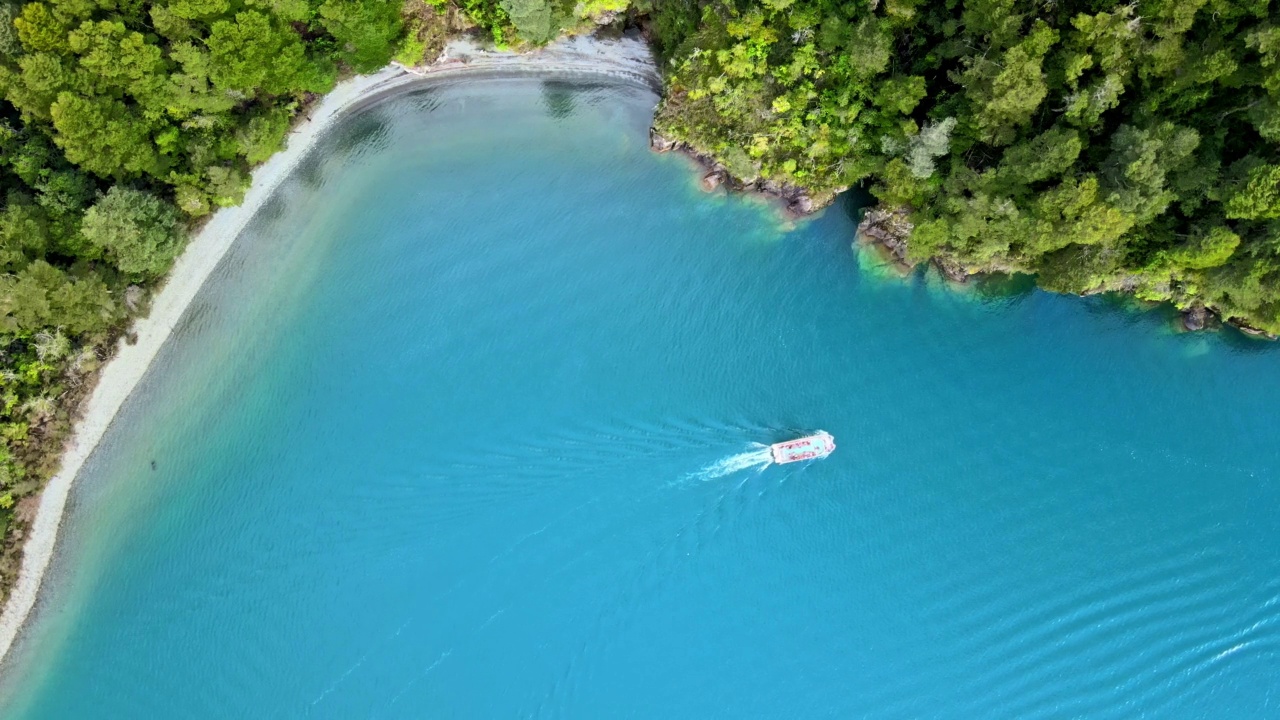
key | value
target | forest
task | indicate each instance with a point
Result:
(1099, 146)
(1094, 145)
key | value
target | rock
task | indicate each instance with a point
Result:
(713, 180)
(951, 270)
(658, 143)
(606, 18)
(769, 187)
(889, 228)
(133, 297)
(801, 205)
(1195, 318)
(1250, 330)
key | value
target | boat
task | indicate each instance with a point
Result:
(812, 447)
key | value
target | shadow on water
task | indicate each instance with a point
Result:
(558, 97)
(561, 98)
(310, 172)
(364, 134)
(1241, 342)
(1000, 286)
(854, 203)
(425, 100)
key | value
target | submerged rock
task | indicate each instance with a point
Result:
(952, 270)
(889, 228)
(801, 205)
(658, 143)
(713, 180)
(1195, 318)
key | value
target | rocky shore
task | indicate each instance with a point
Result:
(890, 229)
(796, 200)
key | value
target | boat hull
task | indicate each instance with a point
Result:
(812, 447)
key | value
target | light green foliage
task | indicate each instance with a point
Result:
(104, 136)
(263, 134)
(199, 9)
(252, 52)
(535, 20)
(39, 29)
(595, 8)
(1206, 249)
(366, 30)
(412, 49)
(136, 230)
(1257, 197)
(287, 10)
(121, 62)
(42, 296)
(1006, 90)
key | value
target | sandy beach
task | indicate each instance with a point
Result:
(627, 59)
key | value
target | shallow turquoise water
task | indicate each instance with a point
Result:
(441, 440)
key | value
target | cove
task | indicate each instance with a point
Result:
(435, 442)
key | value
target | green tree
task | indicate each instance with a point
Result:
(252, 53)
(533, 19)
(263, 133)
(42, 296)
(1008, 90)
(136, 230)
(104, 136)
(366, 30)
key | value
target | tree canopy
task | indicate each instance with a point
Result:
(1099, 146)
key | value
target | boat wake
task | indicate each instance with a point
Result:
(758, 458)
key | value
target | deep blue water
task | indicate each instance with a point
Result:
(439, 441)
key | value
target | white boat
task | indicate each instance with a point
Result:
(812, 447)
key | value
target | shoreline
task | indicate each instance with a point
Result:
(628, 59)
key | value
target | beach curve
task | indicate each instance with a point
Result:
(627, 58)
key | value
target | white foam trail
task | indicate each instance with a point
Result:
(758, 458)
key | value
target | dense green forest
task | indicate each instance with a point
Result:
(1099, 146)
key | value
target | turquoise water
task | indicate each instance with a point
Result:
(463, 428)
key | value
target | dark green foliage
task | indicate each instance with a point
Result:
(1102, 146)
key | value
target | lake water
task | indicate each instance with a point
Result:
(451, 435)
